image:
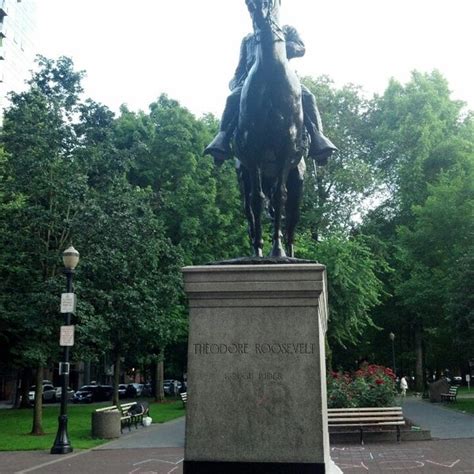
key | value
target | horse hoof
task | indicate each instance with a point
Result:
(278, 251)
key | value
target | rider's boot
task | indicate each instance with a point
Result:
(219, 148)
(321, 147)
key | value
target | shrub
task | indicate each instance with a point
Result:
(340, 391)
(370, 386)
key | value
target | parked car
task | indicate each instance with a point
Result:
(457, 380)
(147, 391)
(93, 393)
(171, 387)
(122, 390)
(138, 387)
(70, 393)
(49, 393)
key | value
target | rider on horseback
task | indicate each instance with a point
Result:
(321, 147)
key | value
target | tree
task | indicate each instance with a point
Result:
(130, 275)
(353, 286)
(39, 139)
(418, 135)
(200, 205)
(336, 195)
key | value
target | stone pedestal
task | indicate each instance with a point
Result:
(256, 370)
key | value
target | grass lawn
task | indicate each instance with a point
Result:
(465, 392)
(15, 425)
(462, 404)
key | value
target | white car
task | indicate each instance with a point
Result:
(49, 393)
(70, 393)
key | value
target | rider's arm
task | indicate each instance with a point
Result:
(295, 47)
(241, 70)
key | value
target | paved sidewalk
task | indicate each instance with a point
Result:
(444, 423)
(166, 435)
(425, 457)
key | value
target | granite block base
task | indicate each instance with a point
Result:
(256, 369)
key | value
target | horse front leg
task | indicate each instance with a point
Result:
(278, 204)
(245, 189)
(256, 202)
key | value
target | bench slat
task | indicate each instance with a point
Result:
(362, 420)
(354, 425)
(334, 410)
(365, 413)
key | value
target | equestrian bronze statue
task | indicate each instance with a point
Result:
(273, 122)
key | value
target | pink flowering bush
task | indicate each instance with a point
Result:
(370, 386)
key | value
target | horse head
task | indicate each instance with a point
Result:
(265, 13)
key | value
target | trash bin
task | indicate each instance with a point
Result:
(106, 424)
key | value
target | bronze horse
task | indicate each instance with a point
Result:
(270, 140)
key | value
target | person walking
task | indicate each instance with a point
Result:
(404, 386)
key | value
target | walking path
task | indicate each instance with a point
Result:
(166, 435)
(443, 423)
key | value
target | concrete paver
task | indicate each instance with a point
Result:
(433, 457)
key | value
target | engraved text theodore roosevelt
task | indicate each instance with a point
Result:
(280, 348)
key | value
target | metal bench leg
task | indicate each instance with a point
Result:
(398, 434)
(361, 436)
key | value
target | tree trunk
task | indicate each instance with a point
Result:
(419, 375)
(159, 377)
(38, 408)
(116, 400)
(25, 388)
(17, 394)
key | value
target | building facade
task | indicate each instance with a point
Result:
(17, 45)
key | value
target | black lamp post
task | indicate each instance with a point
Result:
(392, 338)
(62, 444)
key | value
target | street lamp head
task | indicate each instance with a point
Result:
(391, 336)
(71, 258)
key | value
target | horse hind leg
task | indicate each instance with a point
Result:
(293, 204)
(256, 206)
(278, 204)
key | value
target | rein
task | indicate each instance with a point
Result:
(275, 28)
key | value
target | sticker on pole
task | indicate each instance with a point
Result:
(64, 368)
(68, 303)
(67, 336)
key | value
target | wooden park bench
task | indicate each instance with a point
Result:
(451, 395)
(129, 416)
(184, 398)
(362, 417)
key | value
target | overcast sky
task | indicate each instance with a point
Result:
(134, 50)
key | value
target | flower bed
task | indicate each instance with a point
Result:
(370, 386)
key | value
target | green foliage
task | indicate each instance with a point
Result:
(335, 195)
(38, 139)
(353, 286)
(370, 386)
(130, 273)
(423, 143)
(199, 205)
